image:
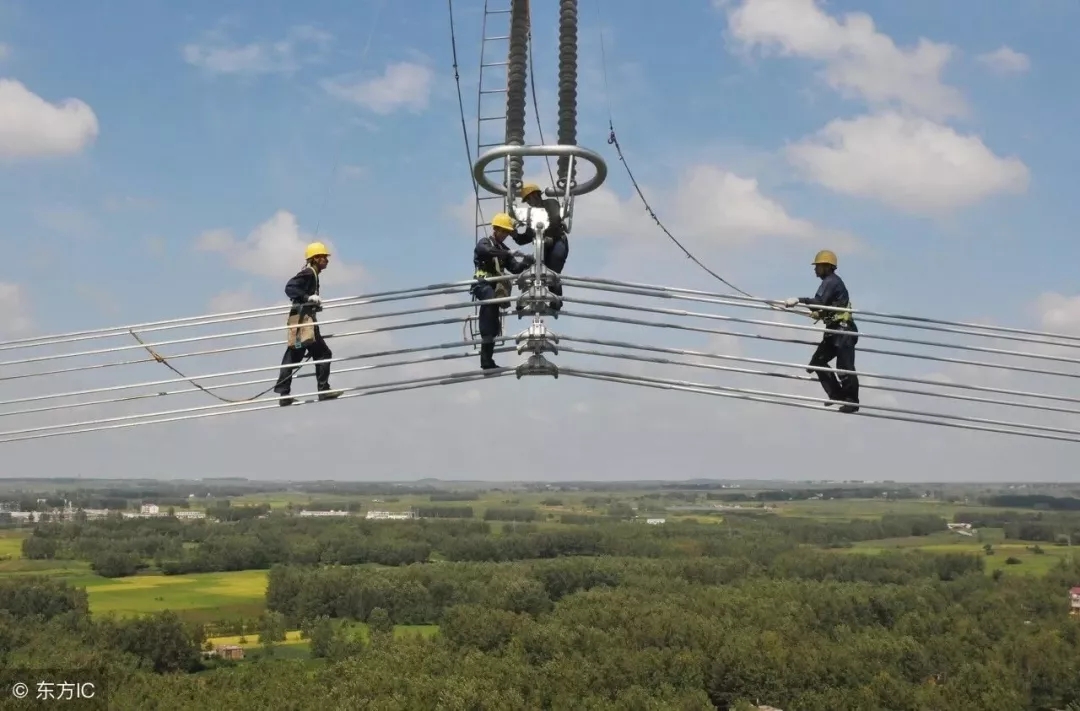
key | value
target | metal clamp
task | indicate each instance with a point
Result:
(592, 157)
(538, 339)
(537, 365)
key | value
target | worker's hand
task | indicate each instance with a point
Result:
(792, 302)
(314, 299)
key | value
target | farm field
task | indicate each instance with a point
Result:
(199, 597)
(847, 509)
(296, 643)
(1030, 562)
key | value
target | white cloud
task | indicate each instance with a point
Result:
(908, 163)
(1058, 313)
(275, 250)
(859, 60)
(1006, 60)
(15, 318)
(217, 55)
(235, 300)
(403, 85)
(31, 127)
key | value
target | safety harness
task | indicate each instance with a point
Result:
(841, 319)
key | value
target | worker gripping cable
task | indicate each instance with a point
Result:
(840, 346)
(556, 242)
(304, 335)
(491, 258)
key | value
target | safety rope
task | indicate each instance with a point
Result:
(161, 359)
(614, 141)
(461, 106)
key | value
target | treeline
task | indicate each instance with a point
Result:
(455, 496)
(422, 595)
(44, 623)
(807, 494)
(1033, 501)
(1058, 527)
(836, 532)
(119, 547)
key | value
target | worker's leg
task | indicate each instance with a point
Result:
(845, 360)
(320, 351)
(489, 324)
(288, 368)
(825, 352)
(555, 260)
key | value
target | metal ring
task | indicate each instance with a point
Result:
(591, 157)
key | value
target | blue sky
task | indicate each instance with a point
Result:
(951, 193)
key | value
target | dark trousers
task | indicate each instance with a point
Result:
(318, 350)
(555, 260)
(490, 323)
(842, 348)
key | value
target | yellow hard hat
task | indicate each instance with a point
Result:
(316, 249)
(529, 188)
(824, 257)
(504, 221)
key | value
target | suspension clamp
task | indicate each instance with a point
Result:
(536, 299)
(537, 340)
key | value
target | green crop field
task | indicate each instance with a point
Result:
(359, 630)
(198, 597)
(847, 509)
(11, 544)
(1030, 562)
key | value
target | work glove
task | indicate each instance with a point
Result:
(792, 302)
(314, 299)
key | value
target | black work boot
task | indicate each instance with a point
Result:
(326, 394)
(285, 401)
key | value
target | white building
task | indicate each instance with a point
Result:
(391, 516)
(654, 521)
(149, 510)
(324, 513)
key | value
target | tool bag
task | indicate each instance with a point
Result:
(301, 329)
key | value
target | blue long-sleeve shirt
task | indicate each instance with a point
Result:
(832, 292)
(301, 286)
(492, 258)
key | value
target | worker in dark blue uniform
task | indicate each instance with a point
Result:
(840, 346)
(493, 258)
(303, 292)
(556, 241)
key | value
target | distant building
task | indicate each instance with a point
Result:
(654, 521)
(190, 514)
(230, 651)
(325, 513)
(391, 516)
(1074, 601)
(149, 510)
